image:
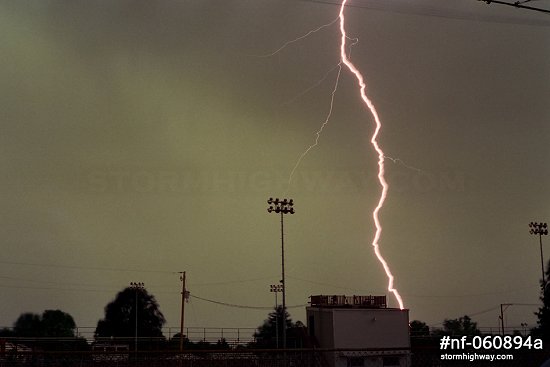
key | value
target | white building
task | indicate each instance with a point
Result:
(364, 332)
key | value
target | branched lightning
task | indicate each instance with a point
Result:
(318, 133)
(298, 39)
(327, 119)
(316, 84)
(400, 161)
(346, 61)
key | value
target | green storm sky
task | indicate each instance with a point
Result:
(140, 138)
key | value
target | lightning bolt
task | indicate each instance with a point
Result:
(362, 86)
(327, 119)
(318, 133)
(400, 161)
(345, 59)
(298, 39)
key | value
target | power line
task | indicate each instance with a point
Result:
(517, 4)
(439, 12)
(56, 288)
(463, 295)
(87, 267)
(126, 270)
(454, 295)
(241, 306)
(50, 282)
(230, 281)
(472, 314)
(330, 285)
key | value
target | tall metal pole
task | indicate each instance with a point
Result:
(182, 316)
(542, 264)
(137, 287)
(283, 278)
(276, 321)
(283, 206)
(276, 288)
(502, 319)
(136, 348)
(540, 229)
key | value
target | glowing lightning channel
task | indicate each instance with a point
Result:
(381, 155)
(400, 161)
(318, 133)
(327, 119)
(298, 39)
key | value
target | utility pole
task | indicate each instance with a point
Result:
(283, 206)
(184, 296)
(504, 307)
(540, 229)
(501, 317)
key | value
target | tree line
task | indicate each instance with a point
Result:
(54, 328)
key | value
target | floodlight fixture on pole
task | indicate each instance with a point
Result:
(540, 229)
(137, 286)
(282, 206)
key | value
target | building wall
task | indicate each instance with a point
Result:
(371, 328)
(360, 328)
(320, 326)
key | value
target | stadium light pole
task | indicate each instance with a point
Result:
(137, 287)
(540, 229)
(276, 288)
(282, 206)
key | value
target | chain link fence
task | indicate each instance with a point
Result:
(243, 357)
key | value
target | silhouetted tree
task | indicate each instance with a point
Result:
(222, 344)
(28, 325)
(58, 324)
(419, 328)
(55, 325)
(52, 323)
(6, 332)
(120, 316)
(422, 340)
(174, 342)
(461, 326)
(266, 334)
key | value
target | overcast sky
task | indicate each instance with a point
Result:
(140, 138)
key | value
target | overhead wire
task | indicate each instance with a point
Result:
(80, 267)
(472, 314)
(440, 12)
(241, 306)
(107, 288)
(517, 4)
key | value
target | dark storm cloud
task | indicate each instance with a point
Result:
(146, 135)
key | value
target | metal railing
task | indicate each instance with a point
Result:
(233, 336)
(242, 357)
(225, 358)
(348, 301)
